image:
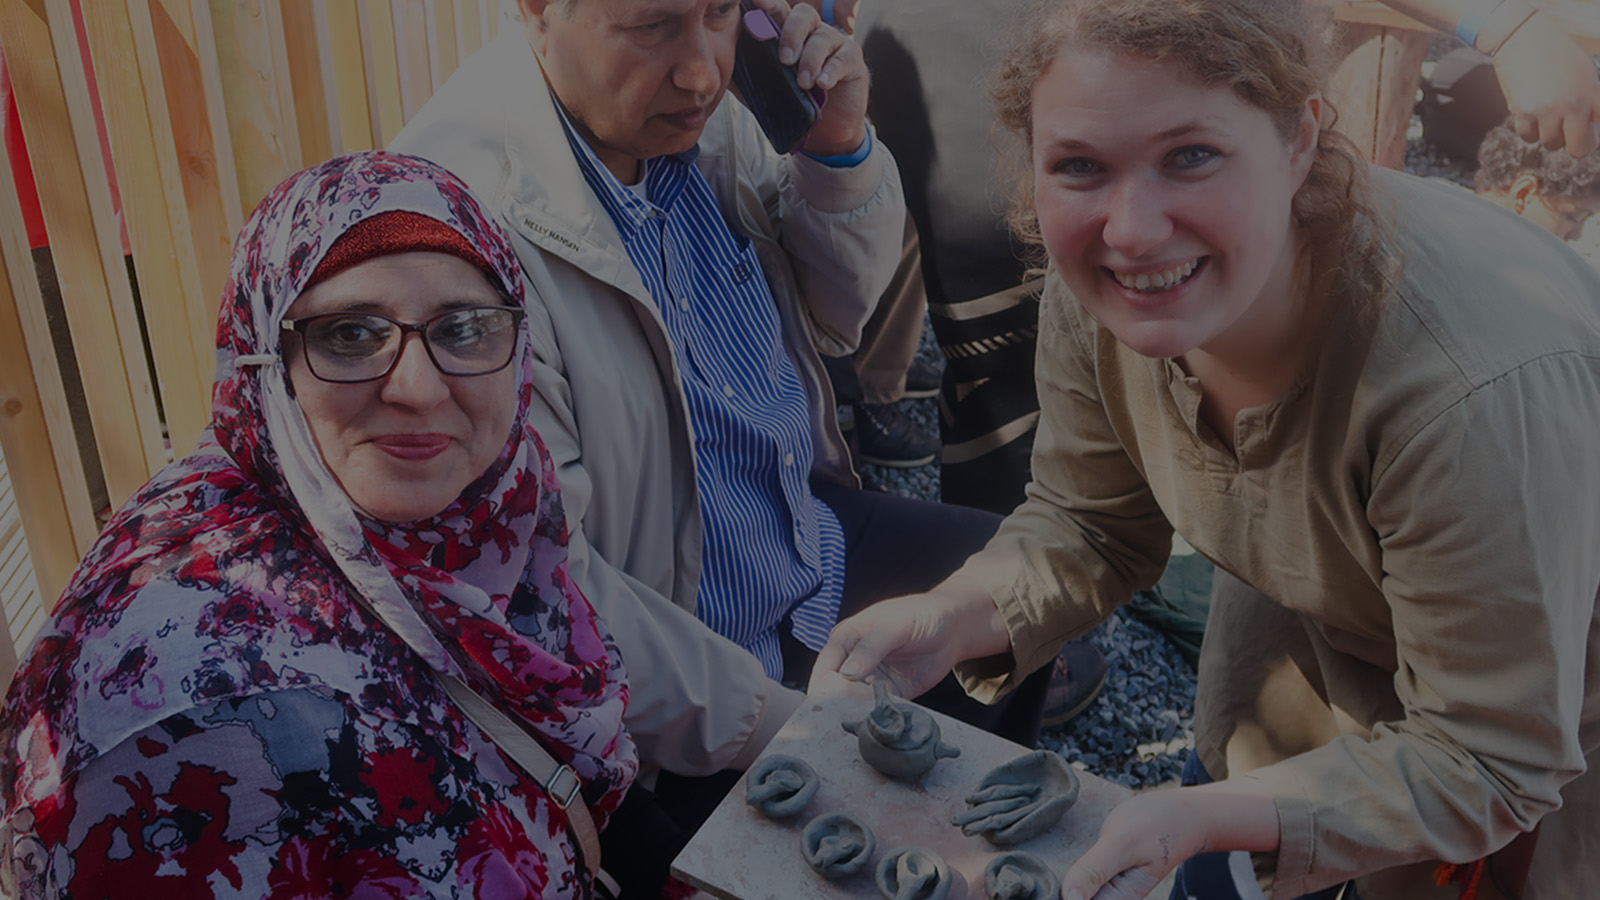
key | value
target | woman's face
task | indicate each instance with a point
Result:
(405, 445)
(1164, 204)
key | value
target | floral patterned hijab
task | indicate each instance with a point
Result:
(233, 571)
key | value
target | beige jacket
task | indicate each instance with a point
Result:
(1423, 508)
(614, 414)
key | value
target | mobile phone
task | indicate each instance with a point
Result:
(784, 110)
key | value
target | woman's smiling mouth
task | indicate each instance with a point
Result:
(1155, 282)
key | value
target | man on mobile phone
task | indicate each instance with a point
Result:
(684, 278)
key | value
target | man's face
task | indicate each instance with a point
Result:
(640, 76)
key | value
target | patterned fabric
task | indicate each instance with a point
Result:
(236, 696)
(771, 551)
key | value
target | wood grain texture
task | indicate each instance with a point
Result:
(1374, 88)
(179, 344)
(71, 198)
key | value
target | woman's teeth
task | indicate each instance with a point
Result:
(1157, 281)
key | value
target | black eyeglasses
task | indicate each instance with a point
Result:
(350, 347)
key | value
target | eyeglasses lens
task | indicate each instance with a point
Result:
(348, 347)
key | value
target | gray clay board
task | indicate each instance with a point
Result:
(741, 855)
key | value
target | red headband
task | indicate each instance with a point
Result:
(391, 232)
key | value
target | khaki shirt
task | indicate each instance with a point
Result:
(1424, 509)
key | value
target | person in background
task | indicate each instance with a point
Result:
(687, 277)
(246, 689)
(1355, 392)
(1547, 187)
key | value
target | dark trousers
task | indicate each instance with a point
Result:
(893, 546)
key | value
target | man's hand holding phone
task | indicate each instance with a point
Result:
(824, 57)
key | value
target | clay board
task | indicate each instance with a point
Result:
(741, 855)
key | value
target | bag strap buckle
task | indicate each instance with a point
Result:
(563, 786)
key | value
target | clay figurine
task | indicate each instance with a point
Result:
(837, 845)
(899, 739)
(1020, 799)
(913, 873)
(780, 786)
(1019, 876)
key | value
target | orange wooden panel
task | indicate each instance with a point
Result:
(442, 40)
(166, 28)
(469, 28)
(165, 267)
(413, 61)
(49, 456)
(1375, 88)
(383, 70)
(312, 104)
(75, 198)
(347, 58)
(25, 441)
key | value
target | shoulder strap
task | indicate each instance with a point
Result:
(558, 780)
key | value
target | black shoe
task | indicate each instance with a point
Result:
(1076, 680)
(886, 437)
(922, 379)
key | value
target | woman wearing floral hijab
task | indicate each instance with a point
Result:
(241, 691)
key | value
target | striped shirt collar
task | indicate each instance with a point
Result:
(625, 207)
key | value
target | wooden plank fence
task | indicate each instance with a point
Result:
(206, 105)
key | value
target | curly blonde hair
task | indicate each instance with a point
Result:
(1263, 51)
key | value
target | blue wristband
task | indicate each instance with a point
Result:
(827, 11)
(1471, 22)
(849, 159)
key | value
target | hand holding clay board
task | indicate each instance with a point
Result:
(741, 854)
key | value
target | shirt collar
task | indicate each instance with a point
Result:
(627, 209)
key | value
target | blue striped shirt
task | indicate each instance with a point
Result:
(771, 548)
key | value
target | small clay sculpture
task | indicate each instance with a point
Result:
(780, 786)
(837, 845)
(1020, 799)
(1019, 876)
(913, 873)
(899, 739)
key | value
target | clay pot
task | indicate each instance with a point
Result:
(1019, 876)
(780, 786)
(900, 740)
(837, 845)
(1020, 799)
(912, 873)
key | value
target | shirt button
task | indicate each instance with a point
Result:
(727, 390)
(683, 303)
(788, 459)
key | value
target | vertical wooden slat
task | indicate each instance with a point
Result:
(65, 151)
(163, 32)
(242, 50)
(312, 94)
(442, 40)
(282, 83)
(346, 57)
(180, 338)
(383, 70)
(410, 29)
(25, 441)
(204, 44)
(469, 28)
(1375, 86)
(35, 422)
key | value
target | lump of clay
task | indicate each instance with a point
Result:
(1019, 876)
(898, 739)
(913, 874)
(780, 786)
(837, 845)
(1019, 799)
